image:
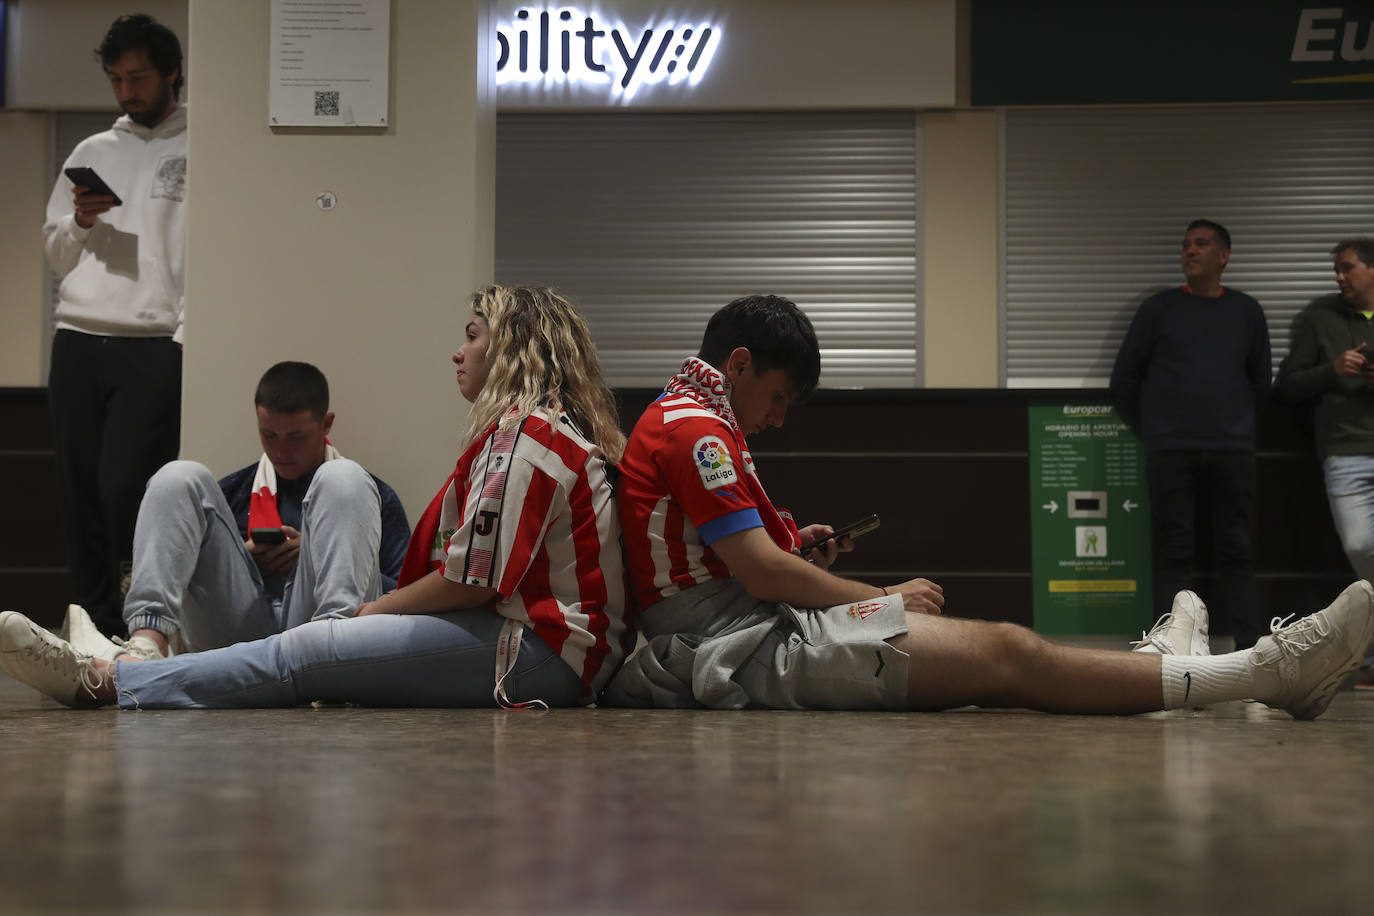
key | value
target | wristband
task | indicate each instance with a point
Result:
(884, 588)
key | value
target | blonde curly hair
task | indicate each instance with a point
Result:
(541, 354)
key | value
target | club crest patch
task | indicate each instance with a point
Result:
(714, 463)
(862, 611)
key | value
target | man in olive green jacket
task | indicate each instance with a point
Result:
(1332, 361)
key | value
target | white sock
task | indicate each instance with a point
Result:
(1198, 680)
(148, 647)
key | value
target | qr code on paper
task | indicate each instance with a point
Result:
(327, 104)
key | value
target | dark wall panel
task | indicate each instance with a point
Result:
(948, 472)
(29, 536)
(32, 563)
(941, 513)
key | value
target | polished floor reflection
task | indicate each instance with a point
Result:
(1236, 809)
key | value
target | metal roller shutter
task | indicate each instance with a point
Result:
(1095, 201)
(650, 222)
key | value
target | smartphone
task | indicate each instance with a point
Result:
(267, 537)
(851, 531)
(85, 177)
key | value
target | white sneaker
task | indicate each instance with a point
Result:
(85, 637)
(1313, 656)
(1182, 631)
(79, 630)
(143, 648)
(32, 655)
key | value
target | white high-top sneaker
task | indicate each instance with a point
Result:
(1312, 657)
(1182, 631)
(79, 630)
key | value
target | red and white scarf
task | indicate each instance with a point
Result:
(262, 505)
(707, 385)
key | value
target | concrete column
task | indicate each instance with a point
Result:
(960, 234)
(374, 291)
(24, 187)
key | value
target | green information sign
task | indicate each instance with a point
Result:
(1074, 52)
(1090, 522)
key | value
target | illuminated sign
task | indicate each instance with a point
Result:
(565, 46)
(1318, 27)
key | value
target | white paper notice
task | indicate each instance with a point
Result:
(329, 64)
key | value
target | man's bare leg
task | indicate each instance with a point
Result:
(1299, 667)
(972, 662)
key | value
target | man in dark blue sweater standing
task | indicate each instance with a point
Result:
(1191, 373)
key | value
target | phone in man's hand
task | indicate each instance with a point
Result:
(851, 531)
(86, 177)
(267, 537)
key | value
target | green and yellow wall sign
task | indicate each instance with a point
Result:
(1090, 522)
(1069, 53)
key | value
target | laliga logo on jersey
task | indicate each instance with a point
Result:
(563, 45)
(713, 463)
(709, 455)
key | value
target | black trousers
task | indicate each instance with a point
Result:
(116, 418)
(1182, 483)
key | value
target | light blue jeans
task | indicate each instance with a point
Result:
(1350, 490)
(193, 574)
(377, 660)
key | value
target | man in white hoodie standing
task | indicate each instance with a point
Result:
(115, 381)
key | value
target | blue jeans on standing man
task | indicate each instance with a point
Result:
(1350, 490)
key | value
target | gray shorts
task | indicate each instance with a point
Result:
(717, 646)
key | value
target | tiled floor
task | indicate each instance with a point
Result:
(1233, 810)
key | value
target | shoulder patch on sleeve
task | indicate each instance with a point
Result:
(713, 462)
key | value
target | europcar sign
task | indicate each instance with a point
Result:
(1219, 51)
(1323, 30)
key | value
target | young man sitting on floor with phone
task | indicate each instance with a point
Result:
(301, 533)
(735, 616)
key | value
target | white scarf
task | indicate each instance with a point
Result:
(262, 505)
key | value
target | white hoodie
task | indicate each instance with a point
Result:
(123, 277)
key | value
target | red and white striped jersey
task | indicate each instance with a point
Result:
(687, 479)
(531, 513)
